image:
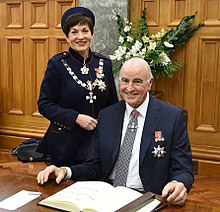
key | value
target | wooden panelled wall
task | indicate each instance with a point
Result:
(197, 87)
(30, 34)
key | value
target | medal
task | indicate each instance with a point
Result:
(158, 135)
(84, 69)
(159, 151)
(91, 97)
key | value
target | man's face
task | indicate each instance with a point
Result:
(134, 84)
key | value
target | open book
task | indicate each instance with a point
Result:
(96, 196)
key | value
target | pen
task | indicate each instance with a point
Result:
(34, 193)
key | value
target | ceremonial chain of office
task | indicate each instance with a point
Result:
(89, 85)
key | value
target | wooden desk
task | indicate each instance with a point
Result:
(15, 176)
(11, 183)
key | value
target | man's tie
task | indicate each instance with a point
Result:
(122, 164)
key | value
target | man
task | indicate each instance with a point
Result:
(161, 160)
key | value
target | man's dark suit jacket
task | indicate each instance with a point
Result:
(154, 172)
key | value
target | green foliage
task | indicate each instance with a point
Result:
(156, 48)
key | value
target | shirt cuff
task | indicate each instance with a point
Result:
(68, 173)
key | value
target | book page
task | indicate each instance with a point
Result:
(81, 194)
(96, 195)
(150, 206)
(115, 198)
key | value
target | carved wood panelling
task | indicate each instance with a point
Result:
(60, 8)
(209, 159)
(219, 113)
(15, 75)
(1, 56)
(207, 104)
(211, 12)
(14, 14)
(1, 15)
(40, 52)
(137, 8)
(174, 87)
(178, 10)
(61, 44)
(39, 14)
(23, 60)
(206, 152)
(152, 11)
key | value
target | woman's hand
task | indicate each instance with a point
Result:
(86, 122)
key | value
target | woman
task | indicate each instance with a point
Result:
(77, 84)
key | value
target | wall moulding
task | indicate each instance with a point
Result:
(206, 153)
(14, 15)
(39, 15)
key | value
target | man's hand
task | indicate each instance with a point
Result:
(175, 193)
(44, 175)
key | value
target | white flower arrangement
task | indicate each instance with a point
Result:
(155, 48)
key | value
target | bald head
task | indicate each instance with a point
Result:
(135, 81)
(138, 64)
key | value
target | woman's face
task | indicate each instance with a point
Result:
(80, 38)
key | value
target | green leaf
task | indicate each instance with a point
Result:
(177, 36)
(142, 24)
(188, 33)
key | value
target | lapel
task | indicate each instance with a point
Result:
(118, 118)
(152, 119)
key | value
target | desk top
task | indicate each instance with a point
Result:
(15, 176)
(11, 183)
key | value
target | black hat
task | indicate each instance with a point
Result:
(76, 10)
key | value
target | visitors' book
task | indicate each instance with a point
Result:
(98, 196)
